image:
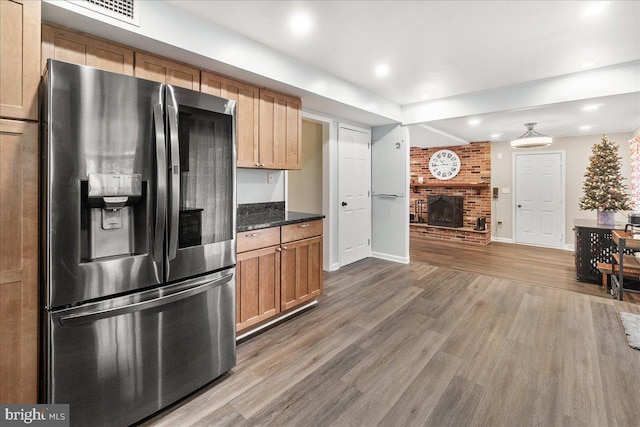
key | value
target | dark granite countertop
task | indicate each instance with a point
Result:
(263, 215)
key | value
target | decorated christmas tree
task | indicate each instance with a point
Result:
(603, 187)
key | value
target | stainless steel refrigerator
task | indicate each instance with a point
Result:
(138, 241)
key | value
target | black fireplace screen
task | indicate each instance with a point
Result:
(444, 211)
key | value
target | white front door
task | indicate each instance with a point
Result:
(539, 199)
(354, 185)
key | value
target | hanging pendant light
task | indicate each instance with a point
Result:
(531, 138)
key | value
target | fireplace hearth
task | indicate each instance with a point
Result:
(445, 211)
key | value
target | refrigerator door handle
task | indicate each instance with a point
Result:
(161, 183)
(199, 287)
(174, 171)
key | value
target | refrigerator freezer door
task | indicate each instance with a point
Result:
(201, 209)
(100, 183)
(118, 361)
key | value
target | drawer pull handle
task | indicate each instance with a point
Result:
(304, 226)
(285, 248)
(253, 235)
(279, 249)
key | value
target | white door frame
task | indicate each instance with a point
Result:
(337, 195)
(563, 195)
(329, 187)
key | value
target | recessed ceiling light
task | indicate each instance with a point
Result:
(585, 127)
(382, 70)
(596, 8)
(592, 107)
(300, 24)
(474, 122)
(496, 135)
(588, 64)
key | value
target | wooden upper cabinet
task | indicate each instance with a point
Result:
(166, 71)
(18, 261)
(70, 46)
(211, 83)
(280, 140)
(19, 58)
(247, 98)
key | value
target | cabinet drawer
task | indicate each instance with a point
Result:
(302, 230)
(256, 239)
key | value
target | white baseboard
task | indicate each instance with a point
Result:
(335, 266)
(501, 239)
(505, 240)
(394, 258)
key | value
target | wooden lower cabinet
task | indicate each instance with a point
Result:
(278, 269)
(18, 262)
(301, 272)
(257, 286)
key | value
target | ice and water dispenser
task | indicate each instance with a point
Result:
(114, 209)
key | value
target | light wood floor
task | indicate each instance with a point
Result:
(428, 344)
(553, 268)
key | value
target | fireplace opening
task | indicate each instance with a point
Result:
(445, 211)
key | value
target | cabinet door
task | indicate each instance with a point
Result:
(247, 98)
(280, 131)
(301, 272)
(19, 58)
(70, 46)
(166, 71)
(257, 286)
(18, 261)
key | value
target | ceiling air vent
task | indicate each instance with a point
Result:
(123, 10)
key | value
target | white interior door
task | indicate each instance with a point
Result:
(354, 185)
(539, 199)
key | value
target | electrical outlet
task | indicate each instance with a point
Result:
(270, 178)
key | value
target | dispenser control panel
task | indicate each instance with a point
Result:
(114, 184)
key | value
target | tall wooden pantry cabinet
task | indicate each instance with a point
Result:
(19, 78)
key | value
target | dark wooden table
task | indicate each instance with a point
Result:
(625, 240)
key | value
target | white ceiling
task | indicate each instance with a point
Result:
(505, 62)
(444, 49)
(618, 113)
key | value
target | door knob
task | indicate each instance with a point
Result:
(519, 206)
(344, 203)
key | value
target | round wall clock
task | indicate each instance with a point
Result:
(444, 164)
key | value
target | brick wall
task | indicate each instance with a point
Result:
(475, 160)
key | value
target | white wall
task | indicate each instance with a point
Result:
(253, 186)
(390, 217)
(577, 151)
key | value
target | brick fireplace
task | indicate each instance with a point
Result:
(471, 187)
